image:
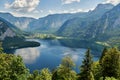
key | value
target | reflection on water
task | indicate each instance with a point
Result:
(29, 55)
(49, 55)
(75, 58)
(75, 54)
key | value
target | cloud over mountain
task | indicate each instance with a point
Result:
(69, 1)
(23, 5)
(113, 1)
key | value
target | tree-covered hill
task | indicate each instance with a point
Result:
(12, 37)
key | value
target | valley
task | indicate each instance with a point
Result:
(44, 42)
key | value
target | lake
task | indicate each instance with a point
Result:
(49, 55)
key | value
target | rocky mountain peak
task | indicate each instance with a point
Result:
(104, 6)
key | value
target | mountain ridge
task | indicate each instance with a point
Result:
(20, 22)
(80, 25)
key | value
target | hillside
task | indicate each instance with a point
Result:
(106, 25)
(106, 29)
(76, 27)
(52, 23)
(48, 24)
(7, 29)
(12, 37)
(20, 22)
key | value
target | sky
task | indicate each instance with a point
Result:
(41, 8)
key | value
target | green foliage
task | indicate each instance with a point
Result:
(1, 49)
(108, 78)
(86, 68)
(64, 71)
(107, 68)
(12, 67)
(111, 63)
(97, 70)
(102, 55)
(42, 36)
(44, 74)
(18, 42)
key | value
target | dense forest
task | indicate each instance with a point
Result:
(106, 68)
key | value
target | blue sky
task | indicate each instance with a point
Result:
(40, 8)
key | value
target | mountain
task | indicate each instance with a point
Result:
(107, 27)
(8, 30)
(104, 31)
(12, 37)
(77, 26)
(99, 11)
(53, 23)
(50, 23)
(20, 22)
(73, 28)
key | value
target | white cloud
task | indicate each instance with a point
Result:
(112, 1)
(69, 1)
(41, 11)
(51, 11)
(23, 5)
(77, 10)
(18, 14)
(68, 11)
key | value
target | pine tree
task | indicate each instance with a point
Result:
(96, 67)
(1, 49)
(103, 54)
(111, 63)
(86, 67)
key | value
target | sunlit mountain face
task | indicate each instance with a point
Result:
(60, 39)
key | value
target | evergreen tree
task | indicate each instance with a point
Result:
(103, 54)
(1, 49)
(111, 64)
(86, 67)
(96, 67)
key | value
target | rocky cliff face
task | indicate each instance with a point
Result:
(107, 26)
(20, 22)
(80, 27)
(5, 30)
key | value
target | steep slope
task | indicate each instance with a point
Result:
(7, 30)
(50, 23)
(99, 11)
(107, 27)
(20, 22)
(74, 27)
(77, 27)
(12, 37)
